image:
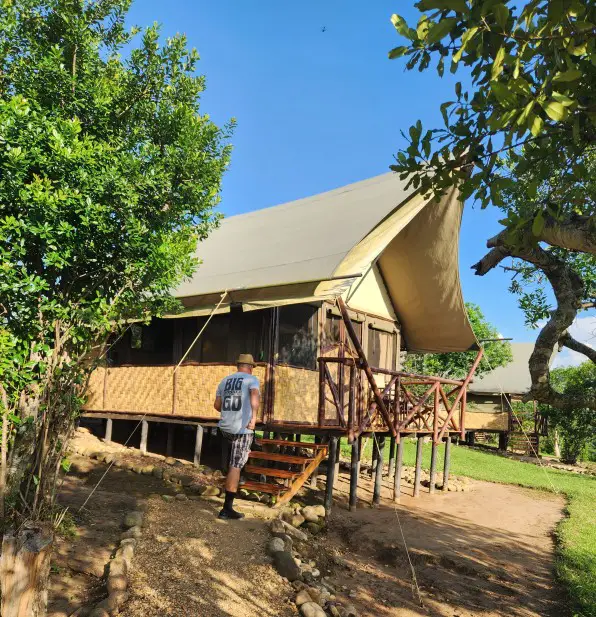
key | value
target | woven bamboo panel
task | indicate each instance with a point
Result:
(196, 386)
(141, 389)
(94, 393)
(487, 421)
(296, 395)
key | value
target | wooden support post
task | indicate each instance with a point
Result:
(398, 469)
(108, 435)
(471, 438)
(419, 444)
(503, 441)
(198, 445)
(379, 445)
(433, 468)
(447, 463)
(337, 453)
(375, 457)
(170, 440)
(266, 435)
(391, 469)
(315, 473)
(330, 474)
(144, 435)
(354, 473)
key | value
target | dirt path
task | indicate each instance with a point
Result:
(189, 564)
(488, 552)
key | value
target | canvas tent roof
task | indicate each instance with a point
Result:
(514, 378)
(315, 248)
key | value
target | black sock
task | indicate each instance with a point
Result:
(229, 500)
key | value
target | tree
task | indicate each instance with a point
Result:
(108, 177)
(527, 110)
(577, 428)
(457, 365)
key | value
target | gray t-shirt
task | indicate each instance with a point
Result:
(236, 410)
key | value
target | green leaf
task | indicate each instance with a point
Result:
(538, 224)
(398, 52)
(570, 75)
(441, 29)
(497, 67)
(503, 94)
(465, 39)
(536, 126)
(402, 27)
(563, 99)
(501, 13)
(525, 113)
(555, 110)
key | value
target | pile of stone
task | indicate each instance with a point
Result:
(315, 595)
(120, 567)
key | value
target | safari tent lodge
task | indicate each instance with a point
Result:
(325, 293)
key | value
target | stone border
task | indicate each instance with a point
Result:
(315, 595)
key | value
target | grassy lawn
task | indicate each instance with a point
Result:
(576, 534)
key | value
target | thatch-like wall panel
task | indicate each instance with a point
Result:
(487, 421)
(296, 395)
(94, 393)
(140, 389)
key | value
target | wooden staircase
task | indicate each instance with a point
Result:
(518, 442)
(285, 472)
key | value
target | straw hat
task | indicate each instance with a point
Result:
(245, 358)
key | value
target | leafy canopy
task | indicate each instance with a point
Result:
(532, 67)
(108, 172)
(457, 365)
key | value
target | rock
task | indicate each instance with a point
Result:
(293, 518)
(148, 470)
(138, 469)
(113, 602)
(314, 528)
(302, 597)
(127, 541)
(175, 478)
(210, 491)
(315, 594)
(285, 565)
(133, 519)
(275, 546)
(133, 532)
(279, 527)
(311, 609)
(158, 473)
(196, 488)
(170, 461)
(288, 542)
(350, 610)
(167, 498)
(82, 466)
(181, 497)
(99, 612)
(313, 513)
(118, 582)
(315, 573)
(186, 480)
(334, 612)
(217, 474)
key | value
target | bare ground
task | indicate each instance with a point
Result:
(488, 552)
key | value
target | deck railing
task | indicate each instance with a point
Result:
(414, 403)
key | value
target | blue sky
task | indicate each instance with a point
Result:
(317, 110)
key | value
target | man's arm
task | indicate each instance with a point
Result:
(217, 404)
(255, 401)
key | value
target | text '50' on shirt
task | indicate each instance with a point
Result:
(236, 410)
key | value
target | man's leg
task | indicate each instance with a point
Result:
(239, 452)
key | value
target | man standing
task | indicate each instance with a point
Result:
(237, 399)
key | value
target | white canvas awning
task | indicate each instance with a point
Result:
(316, 248)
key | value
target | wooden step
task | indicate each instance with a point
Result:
(269, 471)
(293, 444)
(263, 487)
(281, 458)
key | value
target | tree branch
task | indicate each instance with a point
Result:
(569, 289)
(568, 341)
(577, 233)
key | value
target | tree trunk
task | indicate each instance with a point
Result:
(556, 444)
(24, 571)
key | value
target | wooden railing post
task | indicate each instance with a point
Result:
(321, 392)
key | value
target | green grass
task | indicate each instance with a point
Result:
(576, 533)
